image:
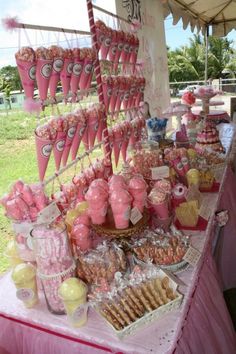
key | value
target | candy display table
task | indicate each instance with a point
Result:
(201, 322)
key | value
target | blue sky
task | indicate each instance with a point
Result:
(55, 13)
(176, 36)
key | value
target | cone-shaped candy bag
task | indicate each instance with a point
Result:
(72, 121)
(81, 127)
(58, 61)
(66, 72)
(26, 65)
(43, 71)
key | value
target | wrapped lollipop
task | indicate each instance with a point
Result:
(60, 125)
(80, 130)
(45, 136)
(72, 122)
(26, 65)
(117, 141)
(76, 73)
(81, 184)
(43, 70)
(57, 54)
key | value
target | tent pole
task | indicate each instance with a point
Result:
(206, 52)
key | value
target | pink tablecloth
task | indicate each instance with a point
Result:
(201, 325)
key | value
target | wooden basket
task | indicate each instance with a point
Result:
(108, 229)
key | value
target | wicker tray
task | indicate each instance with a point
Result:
(148, 318)
(108, 229)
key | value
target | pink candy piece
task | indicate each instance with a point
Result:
(96, 197)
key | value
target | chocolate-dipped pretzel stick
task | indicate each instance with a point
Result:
(110, 319)
(149, 296)
(145, 302)
(122, 313)
(131, 294)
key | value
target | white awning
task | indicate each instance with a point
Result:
(220, 14)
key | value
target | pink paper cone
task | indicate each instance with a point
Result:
(107, 93)
(43, 149)
(27, 72)
(125, 144)
(69, 140)
(101, 127)
(117, 144)
(76, 75)
(43, 73)
(88, 85)
(58, 148)
(115, 93)
(85, 138)
(113, 47)
(77, 139)
(55, 76)
(65, 75)
(100, 37)
(86, 73)
(92, 127)
(131, 96)
(105, 46)
(120, 97)
(125, 101)
(124, 54)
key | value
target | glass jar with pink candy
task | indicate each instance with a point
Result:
(54, 261)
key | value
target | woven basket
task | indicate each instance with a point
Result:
(108, 229)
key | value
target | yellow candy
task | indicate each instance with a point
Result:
(12, 254)
(193, 177)
(191, 153)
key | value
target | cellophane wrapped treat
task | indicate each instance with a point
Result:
(101, 263)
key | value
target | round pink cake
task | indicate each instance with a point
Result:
(208, 139)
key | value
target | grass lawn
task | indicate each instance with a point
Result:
(18, 160)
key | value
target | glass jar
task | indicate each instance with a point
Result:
(145, 157)
(54, 261)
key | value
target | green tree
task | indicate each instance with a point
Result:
(10, 73)
(6, 88)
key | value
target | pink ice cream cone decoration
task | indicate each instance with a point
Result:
(60, 125)
(120, 201)
(26, 65)
(76, 73)
(117, 141)
(57, 54)
(138, 190)
(97, 198)
(43, 71)
(44, 139)
(72, 121)
(66, 72)
(80, 129)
